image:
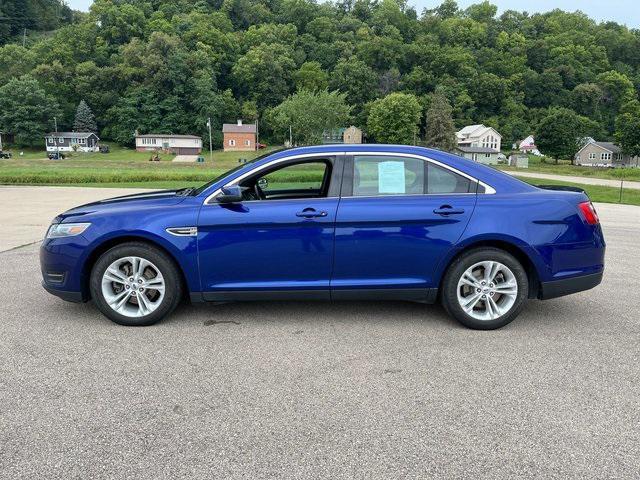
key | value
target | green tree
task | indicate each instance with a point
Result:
(264, 73)
(310, 114)
(628, 128)
(440, 131)
(394, 119)
(356, 79)
(84, 120)
(26, 110)
(310, 76)
(559, 133)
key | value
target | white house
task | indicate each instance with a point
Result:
(71, 141)
(479, 136)
(528, 145)
(178, 144)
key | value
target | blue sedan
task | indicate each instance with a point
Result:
(333, 222)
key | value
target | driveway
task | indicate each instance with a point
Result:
(571, 179)
(317, 390)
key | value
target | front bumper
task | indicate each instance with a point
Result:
(567, 286)
(75, 297)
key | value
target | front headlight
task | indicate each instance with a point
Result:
(59, 230)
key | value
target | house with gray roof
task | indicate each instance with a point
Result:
(604, 154)
(485, 155)
(168, 142)
(71, 142)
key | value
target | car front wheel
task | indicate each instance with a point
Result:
(135, 284)
(485, 288)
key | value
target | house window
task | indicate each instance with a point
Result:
(605, 156)
(60, 139)
(592, 156)
(247, 143)
(50, 140)
(232, 142)
(82, 141)
(488, 155)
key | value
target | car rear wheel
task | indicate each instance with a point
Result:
(135, 284)
(485, 288)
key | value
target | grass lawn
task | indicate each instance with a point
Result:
(564, 167)
(120, 167)
(124, 167)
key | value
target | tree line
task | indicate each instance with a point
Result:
(404, 76)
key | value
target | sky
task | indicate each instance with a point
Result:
(625, 12)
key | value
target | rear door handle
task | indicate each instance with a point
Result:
(448, 210)
(311, 213)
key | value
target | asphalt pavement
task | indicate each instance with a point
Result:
(319, 390)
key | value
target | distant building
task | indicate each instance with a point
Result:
(342, 135)
(479, 136)
(335, 135)
(239, 137)
(528, 145)
(71, 141)
(352, 135)
(604, 154)
(485, 155)
(178, 144)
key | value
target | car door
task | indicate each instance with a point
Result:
(276, 246)
(398, 216)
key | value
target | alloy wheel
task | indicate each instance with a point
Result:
(133, 286)
(487, 290)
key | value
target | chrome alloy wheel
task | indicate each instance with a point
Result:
(487, 290)
(133, 286)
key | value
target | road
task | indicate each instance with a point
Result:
(318, 390)
(572, 179)
(27, 211)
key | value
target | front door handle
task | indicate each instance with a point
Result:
(311, 213)
(448, 210)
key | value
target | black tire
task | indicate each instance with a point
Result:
(449, 292)
(166, 265)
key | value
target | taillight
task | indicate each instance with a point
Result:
(589, 212)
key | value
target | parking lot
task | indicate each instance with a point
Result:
(318, 390)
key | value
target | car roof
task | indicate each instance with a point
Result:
(500, 181)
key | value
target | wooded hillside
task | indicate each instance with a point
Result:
(155, 65)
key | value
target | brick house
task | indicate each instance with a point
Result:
(239, 137)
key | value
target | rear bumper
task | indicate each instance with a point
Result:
(567, 286)
(75, 297)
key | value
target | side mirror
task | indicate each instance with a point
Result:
(230, 194)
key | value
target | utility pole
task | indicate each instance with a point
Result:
(24, 38)
(290, 137)
(257, 135)
(0, 141)
(210, 142)
(55, 138)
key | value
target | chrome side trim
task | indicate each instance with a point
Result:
(488, 189)
(183, 231)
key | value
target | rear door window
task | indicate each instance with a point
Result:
(384, 175)
(441, 180)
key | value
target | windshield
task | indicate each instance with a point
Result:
(199, 190)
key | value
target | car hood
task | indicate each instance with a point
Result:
(138, 201)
